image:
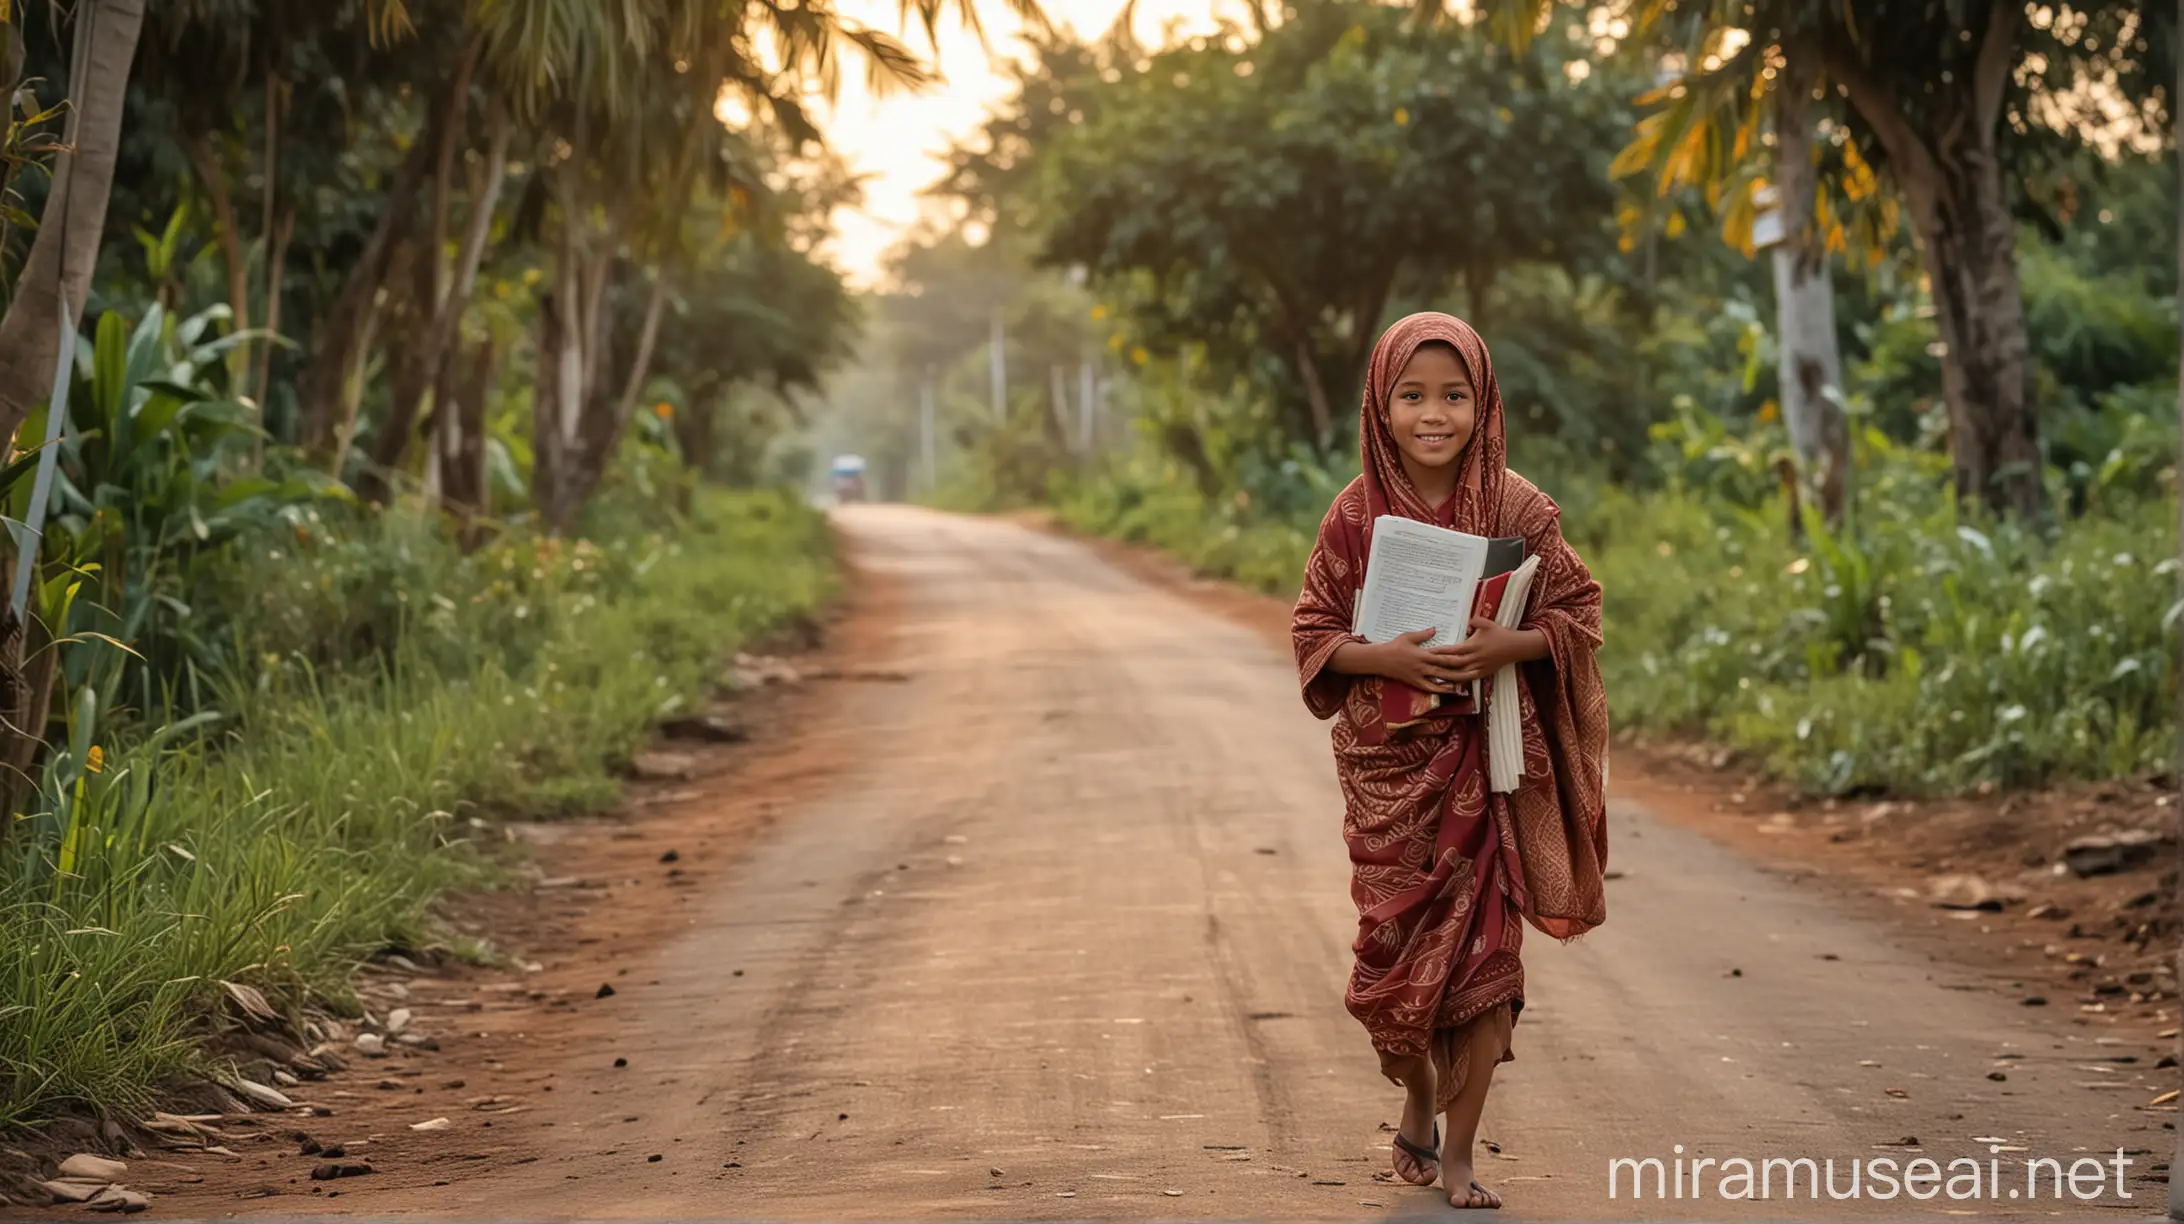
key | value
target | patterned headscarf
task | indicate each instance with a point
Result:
(1485, 460)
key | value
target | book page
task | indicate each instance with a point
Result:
(1418, 576)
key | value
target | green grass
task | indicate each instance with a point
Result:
(342, 801)
(1912, 652)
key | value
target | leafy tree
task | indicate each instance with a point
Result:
(1266, 198)
(1953, 103)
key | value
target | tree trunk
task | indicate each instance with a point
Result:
(602, 431)
(276, 266)
(352, 392)
(275, 245)
(1970, 253)
(451, 297)
(28, 661)
(1959, 210)
(407, 327)
(1315, 395)
(461, 437)
(549, 382)
(1810, 363)
(75, 211)
(227, 231)
(322, 396)
(694, 432)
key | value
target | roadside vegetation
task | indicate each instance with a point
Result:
(429, 372)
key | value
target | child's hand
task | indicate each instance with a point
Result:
(1409, 660)
(1489, 648)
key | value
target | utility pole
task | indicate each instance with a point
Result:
(1058, 395)
(1000, 370)
(925, 425)
(1085, 435)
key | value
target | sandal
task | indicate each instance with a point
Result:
(1479, 1198)
(1426, 1158)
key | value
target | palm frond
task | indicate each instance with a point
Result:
(889, 66)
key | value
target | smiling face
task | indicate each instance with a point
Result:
(1431, 412)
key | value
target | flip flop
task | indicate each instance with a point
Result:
(1427, 1158)
(1478, 1192)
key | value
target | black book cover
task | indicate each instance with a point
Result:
(1503, 555)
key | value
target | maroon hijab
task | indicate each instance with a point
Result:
(1476, 507)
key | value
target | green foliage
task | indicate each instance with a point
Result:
(282, 855)
(1913, 651)
(1262, 202)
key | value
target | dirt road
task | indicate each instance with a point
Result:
(1060, 931)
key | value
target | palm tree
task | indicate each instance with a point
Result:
(56, 279)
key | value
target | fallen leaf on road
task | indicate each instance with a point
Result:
(70, 1190)
(116, 1199)
(250, 1000)
(435, 1124)
(1176, 1193)
(329, 1170)
(85, 1167)
(2164, 1098)
(1898, 1093)
(271, 1098)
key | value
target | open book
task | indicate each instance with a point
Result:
(1421, 576)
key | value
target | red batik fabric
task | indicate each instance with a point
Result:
(1445, 873)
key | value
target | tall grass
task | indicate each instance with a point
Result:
(350, 787)
(1909, 651)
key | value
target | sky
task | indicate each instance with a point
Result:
(897, 141)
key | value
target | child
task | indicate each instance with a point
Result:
(1442, 867)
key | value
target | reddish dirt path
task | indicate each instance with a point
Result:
(1055, 927)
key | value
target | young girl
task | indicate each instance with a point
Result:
(1442, 867)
